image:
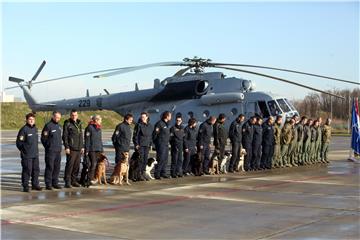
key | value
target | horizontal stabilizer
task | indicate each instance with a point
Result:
(17, 80)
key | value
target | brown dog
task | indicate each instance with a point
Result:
(101, 169)
(121, 170)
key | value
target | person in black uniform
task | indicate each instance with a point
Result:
(52, 142)
(256, 144)
(121, 137)
(73, 140)
(268, 143)
(177, 146)
(235, 135)
(220, 136)
(204, 140)
(142, 139)
(247, 139)
(93, 145)
(27, 143)
(189, 146)
(161, 136)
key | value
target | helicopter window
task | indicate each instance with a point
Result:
(206, 113)
(283, 105)
(288, 103)
(274, 108)
(234, 111)
(190, 114)
(263, 109)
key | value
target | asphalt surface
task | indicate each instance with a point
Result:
(308, 202)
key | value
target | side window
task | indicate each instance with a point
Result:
(283, 105)
(263, 109)
(274, 108)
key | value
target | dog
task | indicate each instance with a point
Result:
(240, 164)
(198, 165)
(151, 162)
(121, 170)
(224, 162)
(135, 167)
(101, 169)
(214, 165)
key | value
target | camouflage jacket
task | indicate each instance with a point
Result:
(286, 134)
(326, 134)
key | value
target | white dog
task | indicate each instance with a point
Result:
(224, 162)
(149, 166)
(241, 161)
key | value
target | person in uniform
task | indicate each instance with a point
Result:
(235, 135)
(142, 139)
(318, 141)
(204, 140)
(52, 142)
(161, 136)
(256, 144)
(285, 139)
(314, 137)
(177, 147)
(220, 136)
(292, 155)
(121, 137)
(307, 142)
(93, 145)
(276, 162)
(190, 136)
(73, 140)
(27, 143)
(300, 130)
(268, 141)
(326, 137)
(247, 139)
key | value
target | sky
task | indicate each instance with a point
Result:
(317, 37)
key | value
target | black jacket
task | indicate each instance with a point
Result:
(220, 134)
(161, 133)
(121, 137)
(247, 134)
(73, 137)
(27, 141)
(190, 138)
(93, 139)
(235, 131)
(51, 137)
(143, 134)
(268, 135)
(177, 135)
(258, 135)
(205, 133)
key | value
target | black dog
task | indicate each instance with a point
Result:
(197, 166)
(135, 168)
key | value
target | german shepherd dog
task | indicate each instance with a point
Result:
(121, 170)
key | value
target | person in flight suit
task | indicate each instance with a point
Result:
(268, 142)
(121, 137)
(286, 137)
(204, 140)
(247, 139)
(93, 145)
(292, 156)
(73, 140)
(177, 147)
(52, 142)
(142, 139)
(314, 137)
(318, 141)
(27, 143)
(235, 135)
(190, 136)
(276, 162)
(299, 151)
(161, 137)
(220, 136)
(326, 137)
(307, 142)
(256, 144)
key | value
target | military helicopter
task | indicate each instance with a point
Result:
(190, 92)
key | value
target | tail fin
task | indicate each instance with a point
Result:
(29, 98)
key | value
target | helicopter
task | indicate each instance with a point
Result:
(190, 92)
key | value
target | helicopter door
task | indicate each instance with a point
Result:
(263, 109)
(250, 109)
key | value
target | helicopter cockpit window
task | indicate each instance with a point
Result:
(288, 103)
(263, 109)
(283, 105)
(274, 108)
(206, 113)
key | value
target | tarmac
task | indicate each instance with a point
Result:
(307, 202)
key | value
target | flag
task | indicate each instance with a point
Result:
(355, 130)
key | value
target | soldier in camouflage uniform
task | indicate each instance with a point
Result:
(318, 141)
(326, 137)
(314, 137)
(277, 133)
(285, 140)
(300, 151)
(307, 142)
(292, 156)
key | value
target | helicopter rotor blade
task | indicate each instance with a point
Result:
(281, 79)
(140, 67)
(285, 70)
(38, 71)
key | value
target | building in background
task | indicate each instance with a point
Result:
(9, 98)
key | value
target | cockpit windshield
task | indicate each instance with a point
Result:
(288, 103)
(274, 108)
(283, 105)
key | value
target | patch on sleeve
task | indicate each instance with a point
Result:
(87, 134)
(157, 129)
(45, 133)
(117, 132)
(21, 138)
